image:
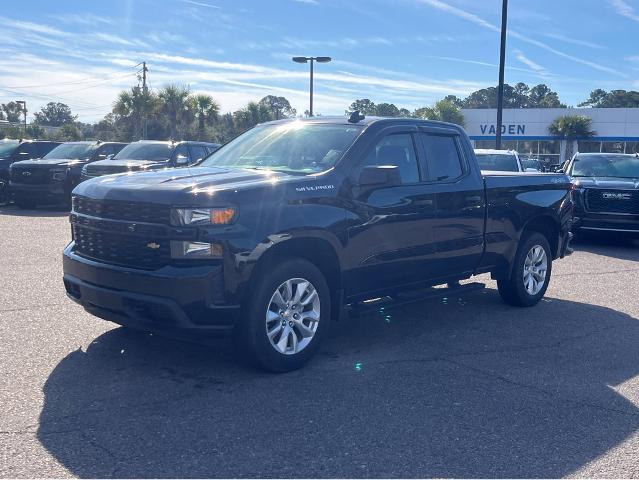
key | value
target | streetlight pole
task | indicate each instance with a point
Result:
(502, 65)
(311, 60)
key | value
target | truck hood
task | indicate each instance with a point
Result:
(108, 167)
(177, 185)
(52, 162)
(607, 182)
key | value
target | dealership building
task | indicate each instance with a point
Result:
(526, 131)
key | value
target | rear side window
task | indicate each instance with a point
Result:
(27, 151)
(442, 156)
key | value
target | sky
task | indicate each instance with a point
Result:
(408, 52)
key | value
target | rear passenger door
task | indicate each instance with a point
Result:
(458, 227)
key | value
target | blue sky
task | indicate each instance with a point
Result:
(409, 52)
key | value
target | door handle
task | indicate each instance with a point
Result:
(473, 198)
(423, 203)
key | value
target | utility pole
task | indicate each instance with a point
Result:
(144, 93)
(23, 103)
(502, 65)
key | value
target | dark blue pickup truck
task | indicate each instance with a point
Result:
(274, 234)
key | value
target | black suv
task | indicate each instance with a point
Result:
(16, 150)
(607, 192)
(51, 179)
(146, 155)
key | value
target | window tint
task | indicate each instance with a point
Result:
(181, 155)
(198, 152)
(44, 148)
(395, 150)
(28, 150)
(442, 157)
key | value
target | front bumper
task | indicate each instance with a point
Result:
(607, 223)
(49, 192)
(170, 298)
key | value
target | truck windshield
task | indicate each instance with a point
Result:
(71, 150)
(157, 152)
(294, 147)
(500, 163)
(7, 148)
(621, 166)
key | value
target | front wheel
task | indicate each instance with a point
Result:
(530, 275)
(286, 316)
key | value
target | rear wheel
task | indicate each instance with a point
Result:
(286, 316)
(530, 276)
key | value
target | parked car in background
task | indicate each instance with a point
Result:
(498, 160)
(532, 164)
(607, 192)
(52, 178)
(147, 155)
(273, 234)
(16, 150)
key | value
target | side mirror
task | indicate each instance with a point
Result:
(384, 175)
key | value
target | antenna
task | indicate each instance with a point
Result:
(356, 117)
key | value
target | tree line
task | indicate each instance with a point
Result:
(174, 112)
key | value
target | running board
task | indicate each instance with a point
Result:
(398, 300)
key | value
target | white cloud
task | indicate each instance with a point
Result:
(200, 4)
(625, 9)
(529, 63)
(574, 41)
(471, 17)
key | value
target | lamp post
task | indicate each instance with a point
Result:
(311, 60)
(502, 64)
(23, 104)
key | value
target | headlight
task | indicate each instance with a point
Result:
(196, 250)
(203, 216)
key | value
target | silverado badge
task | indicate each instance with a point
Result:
(153, 245)
(617, 196)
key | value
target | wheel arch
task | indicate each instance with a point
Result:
(317, 250)
(548, 226)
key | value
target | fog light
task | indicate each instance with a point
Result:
(197, 250)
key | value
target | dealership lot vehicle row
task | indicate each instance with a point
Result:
(448, 387)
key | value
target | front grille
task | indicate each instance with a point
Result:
(30, 176)
(612, 201)
(120, 210)
(125, 250)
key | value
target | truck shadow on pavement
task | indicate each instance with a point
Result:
(462, 387)
(51, 211)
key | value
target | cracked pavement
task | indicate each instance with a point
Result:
(455, 387)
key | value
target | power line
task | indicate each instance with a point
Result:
(74, 82)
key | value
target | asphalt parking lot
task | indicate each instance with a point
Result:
(457, 387)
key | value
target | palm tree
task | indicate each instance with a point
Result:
(175, 105)
(250, 116)
(133, 106)
(571, 128)
(206, 110)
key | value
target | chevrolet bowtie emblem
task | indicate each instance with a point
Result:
(26, 174)
(153, 245)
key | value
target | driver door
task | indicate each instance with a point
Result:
(389, 232)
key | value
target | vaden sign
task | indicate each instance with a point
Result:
(511, 129)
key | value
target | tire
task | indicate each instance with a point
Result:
(269, 350)
(516, 290)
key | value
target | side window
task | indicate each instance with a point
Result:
(181, 156)
(442, 155)
(27, 151)
(198, 152)
(395, 150)
(44, 148)
(103, 152)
